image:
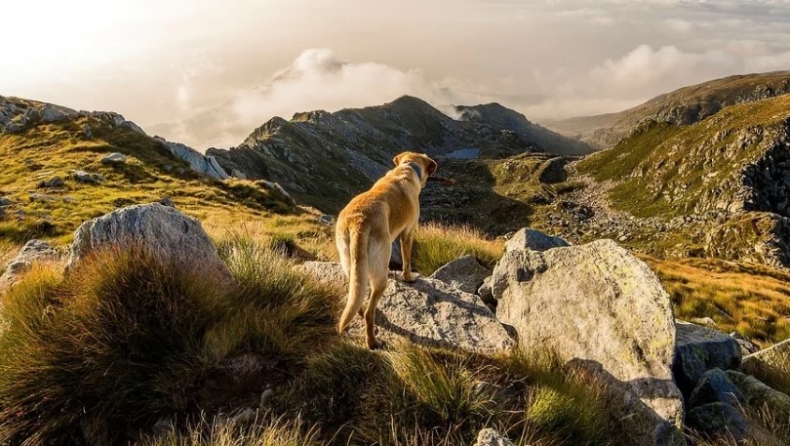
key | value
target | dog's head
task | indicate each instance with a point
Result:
(426, 165)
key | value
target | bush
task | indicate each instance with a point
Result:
(129, 339)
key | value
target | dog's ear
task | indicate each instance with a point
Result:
(431, 167)
(397, 158)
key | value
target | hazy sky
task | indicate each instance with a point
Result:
(159, 61)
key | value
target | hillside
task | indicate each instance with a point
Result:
(684, 106)
(54, 176)
(324, 158)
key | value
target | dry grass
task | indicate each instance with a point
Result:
(439, 244)
(750, 299)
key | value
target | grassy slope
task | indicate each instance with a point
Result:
(704, 98)
(46, 151)
(659, 159)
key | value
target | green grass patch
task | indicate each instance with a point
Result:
(439, 244)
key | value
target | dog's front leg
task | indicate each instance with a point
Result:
(406, 241)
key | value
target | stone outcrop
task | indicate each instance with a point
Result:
(161, 229)
(598, 304)
(114, 158)
(33, 251)
(759, 395)
(533, 240)
(198, 162)
(490, 437)
(427, 312)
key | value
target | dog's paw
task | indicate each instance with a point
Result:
(409, 278)
(376, 345)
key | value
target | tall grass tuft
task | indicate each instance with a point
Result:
(439, 244)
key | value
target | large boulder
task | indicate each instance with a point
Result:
(600, 305)
(33, 251)
(699, 349)
(464, 273)
(532, 240)
(207, 165)
(428, 312)
(160, 229)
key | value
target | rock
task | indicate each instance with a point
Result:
(325, 219)
(42, 198)
(463, 273)
(197, 161)
(167, 201)
(598, 304)
(428, 312)
(51, 183)
(715, 387)
(86, 131)
(88, 178)
(5, 202)
(776, 354)
(163, 230)
(699, 349)
(719, 421)
(533, 240)
(486, 293)
(33, 251)
(114, 158)
(238, 174)
(490, 437)
(747, 347)
(706, 321)
(2, 213)
(759, 395)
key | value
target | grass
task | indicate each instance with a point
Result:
(772, 369)
(271, 432)
(748, 298)
(439, 244)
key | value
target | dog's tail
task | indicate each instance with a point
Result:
(357, 277)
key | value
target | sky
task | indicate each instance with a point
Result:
(241, 62)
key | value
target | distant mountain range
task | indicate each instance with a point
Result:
(685, 106)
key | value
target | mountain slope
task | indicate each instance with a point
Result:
(684, 106)
(325, 158)
(53, 177)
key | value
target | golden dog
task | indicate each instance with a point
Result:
(369, 224)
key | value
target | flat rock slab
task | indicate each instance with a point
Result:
(533, 240)
(597, 304)
(464, 273)
(427, 312)
(33, 251)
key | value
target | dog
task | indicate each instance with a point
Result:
(366, 229)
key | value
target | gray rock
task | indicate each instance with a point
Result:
(490, 437)
(33, 251)
(428, 312)
(238, 174)
(533, 240)
(776, 354)
(699, 349)
(198, 162)
(114, 158)
(42, 198)
(463, 273)
(5, 202)
(715, 387)
(747, 347)
(52, 183)
(719, 421)
(167, 201)
(88, 178)
(486, 293)
(86, 131)
(161, 229)
(325, 219)
(600, 305)
(758, 395)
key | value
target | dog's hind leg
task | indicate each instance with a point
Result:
(379, 261)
